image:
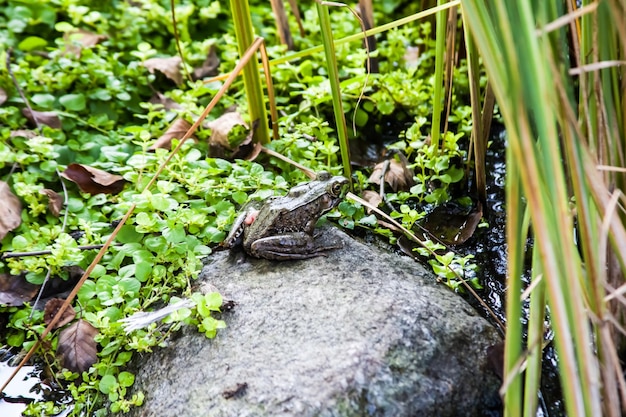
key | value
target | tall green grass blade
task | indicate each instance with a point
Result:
(536, 330)
(333, 77)
(440, 43)
(251, 76)
(479, 139)
(515, 267)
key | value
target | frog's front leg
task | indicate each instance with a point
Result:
(297, 245)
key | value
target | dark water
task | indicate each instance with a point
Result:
(30, 384)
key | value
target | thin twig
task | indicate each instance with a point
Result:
(48, 252)
(41, 289)
(308, 172)
(48, 272)
(19, 89)
(177, 39)
(270, 90)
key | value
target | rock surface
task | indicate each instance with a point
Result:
(360, 332)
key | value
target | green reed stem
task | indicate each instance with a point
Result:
(251, 77)
(440, 43)
(333, 77)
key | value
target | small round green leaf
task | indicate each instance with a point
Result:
(73, 102)
(32, 43)
(108, 383)
(126, 379)
(43, 100)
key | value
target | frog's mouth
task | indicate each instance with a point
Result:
(328, 203)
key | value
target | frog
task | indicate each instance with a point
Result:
(282, 228)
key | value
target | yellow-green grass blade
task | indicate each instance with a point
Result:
(251, 76)
(333, 77)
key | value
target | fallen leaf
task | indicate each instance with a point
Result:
(373, 198)
(176, 131)
(92, 180)
(232, 139)
(79, 39)
(55, 201)
(3, 96)
(52, 308)
(247, 150)
(23, 133)
(209, 66)
(77, 347)
(453, 224)
(10, 210)
(397, 175)
(166, 102)
(170, 67)
(48, 118)
(222, 127)
(15, 290)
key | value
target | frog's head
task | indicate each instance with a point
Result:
(333, 189)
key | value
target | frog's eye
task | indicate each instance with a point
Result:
(336, 188)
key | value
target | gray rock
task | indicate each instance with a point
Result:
(359, 332)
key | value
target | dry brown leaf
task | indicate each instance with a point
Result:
(23, 133)
(373, 198)
(176, 131)
(3, 96)
(452, 224)
(15, 290)
(221, 127)
(52, 308)
(170, 67)
(55, 201)
(228, 142)
(10, 210)
(48, 118)
(92, 180)
(209, 66)
(79, 39)
(397, 175)
(77, 347)
(248, 151)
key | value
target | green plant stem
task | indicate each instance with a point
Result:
(333, 77)
(512, 387)
(437, 87)
(251, 76)
(532, 383)
(479, 139)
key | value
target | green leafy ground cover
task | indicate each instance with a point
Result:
(101, 94)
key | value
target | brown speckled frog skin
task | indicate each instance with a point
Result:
(282, 228)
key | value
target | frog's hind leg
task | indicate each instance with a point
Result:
(288, 247)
